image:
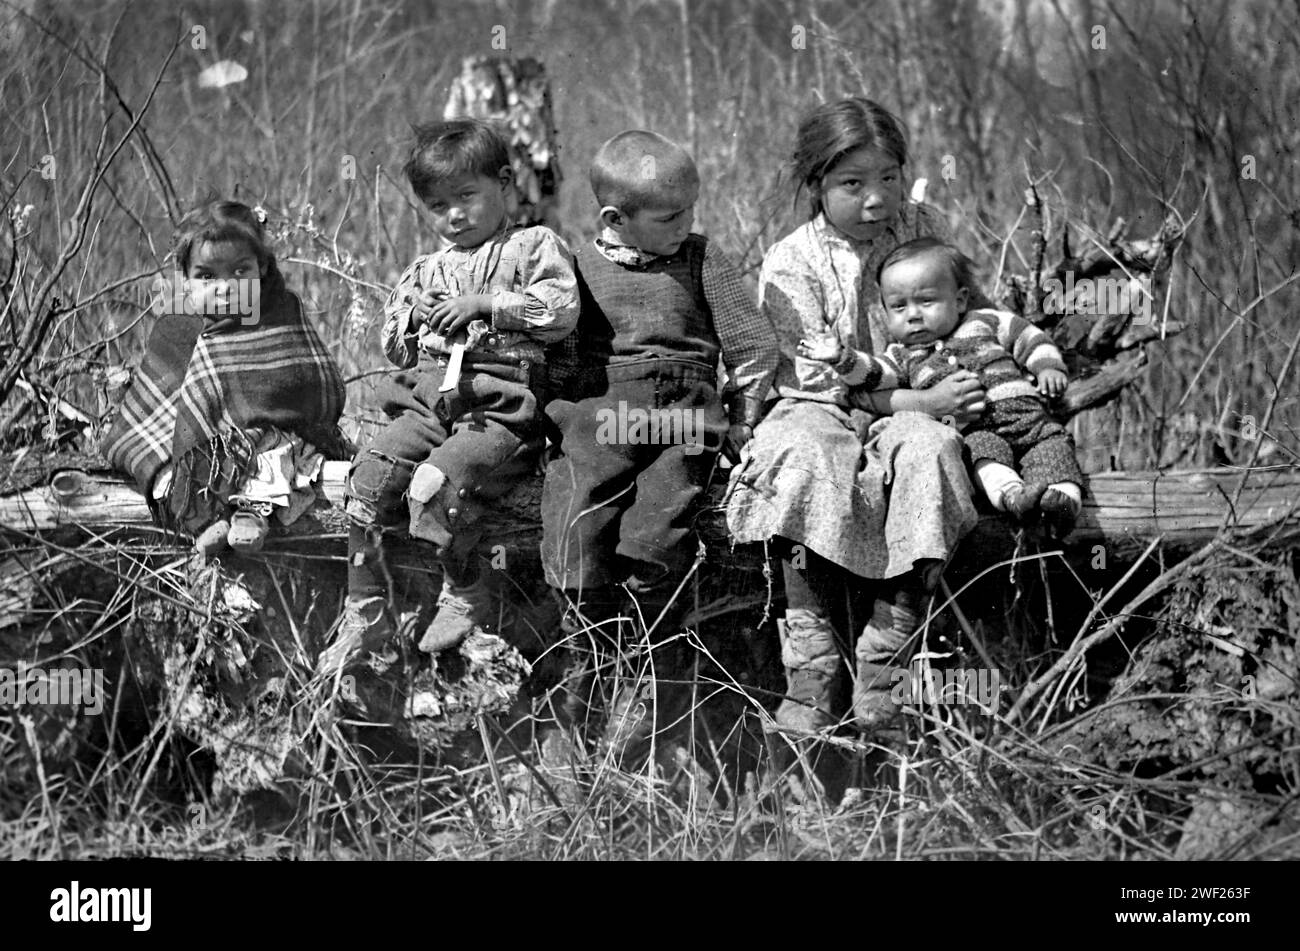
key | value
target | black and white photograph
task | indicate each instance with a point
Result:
(651, 430)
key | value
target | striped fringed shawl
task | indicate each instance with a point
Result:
(202, 400)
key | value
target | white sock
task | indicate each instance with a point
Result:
(1070, 490)
(996, 479)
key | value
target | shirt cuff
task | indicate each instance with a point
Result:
(856, 370)
(509, 310)
(1049, 363)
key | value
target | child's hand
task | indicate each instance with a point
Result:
(423, 306)
(960, 396)
(737, 436)
(453, 313)
(827, 349)
(1051, 383)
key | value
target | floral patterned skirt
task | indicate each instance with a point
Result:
(873, 507)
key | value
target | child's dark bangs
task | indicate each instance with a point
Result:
(232, 233)
(223, 232)
(460, 155)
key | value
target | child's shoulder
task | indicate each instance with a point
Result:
(989, 314)
(987, 320)
(531, 237)
(801, 248)
(422, 263)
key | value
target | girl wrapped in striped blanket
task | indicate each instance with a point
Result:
(236, 403)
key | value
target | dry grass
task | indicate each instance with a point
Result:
(1043, 774)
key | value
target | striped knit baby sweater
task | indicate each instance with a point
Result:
(997, 345)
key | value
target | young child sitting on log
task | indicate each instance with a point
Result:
(236, 402)
(639, 410)
(926, 286)
(468, 324)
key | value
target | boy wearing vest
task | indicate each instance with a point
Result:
(638, 402)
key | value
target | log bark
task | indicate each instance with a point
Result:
(1121, 509)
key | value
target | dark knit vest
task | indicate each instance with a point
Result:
(640, 313)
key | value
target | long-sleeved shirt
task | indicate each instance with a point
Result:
(528, 272)
(747, 341)
(818, 281)
(997, 345)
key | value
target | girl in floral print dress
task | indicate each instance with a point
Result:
(872, 502)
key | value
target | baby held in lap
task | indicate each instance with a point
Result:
(925, 286)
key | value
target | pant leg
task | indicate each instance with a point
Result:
(929, 508)
(589, 485)
(656, 533)
(379, 477)
(1044, 448)
(494, 437)
(984, 444)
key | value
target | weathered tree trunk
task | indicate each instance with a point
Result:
(1122, 510)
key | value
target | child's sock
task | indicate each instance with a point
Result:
(997, 481)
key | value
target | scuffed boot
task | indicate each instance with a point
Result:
(807, 703)
(883, 651)
(811, 660)
(462, 610)
(364, 627)
(874, 689)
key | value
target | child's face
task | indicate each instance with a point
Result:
(862, 193)
(922, 300)
(217, 274)
(468, 209)
(660, 228)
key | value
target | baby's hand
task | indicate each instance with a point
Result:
(1051, 383)
(827, 349)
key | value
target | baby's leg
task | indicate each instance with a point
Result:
(993, 459)
(1050, 461)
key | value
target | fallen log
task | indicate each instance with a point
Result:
(1121, 509)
